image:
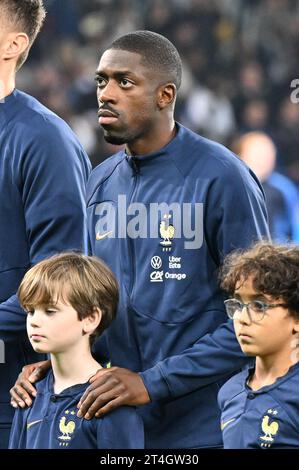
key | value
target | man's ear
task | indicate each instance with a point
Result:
(16, 44)
(92, 321)
(166, 95)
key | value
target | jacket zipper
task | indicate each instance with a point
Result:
(131, 241)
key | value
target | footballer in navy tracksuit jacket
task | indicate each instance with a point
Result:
(171, 324)
(267, 418)
(43, 173)
(52, 423)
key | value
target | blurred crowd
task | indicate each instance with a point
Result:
(240, 59)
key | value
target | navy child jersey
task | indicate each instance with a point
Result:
(51, 423)
(267, 418)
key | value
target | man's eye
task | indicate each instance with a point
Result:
(125, 83)
(100, 82)
(29, 311)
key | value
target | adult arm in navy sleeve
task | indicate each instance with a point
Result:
(50, 177)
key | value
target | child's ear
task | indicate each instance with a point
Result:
(296, 326)
(92, 321)
(15, 45)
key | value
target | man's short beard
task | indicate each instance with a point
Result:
(115, 140)
(120, 139)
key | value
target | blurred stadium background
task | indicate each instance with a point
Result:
(240, 59)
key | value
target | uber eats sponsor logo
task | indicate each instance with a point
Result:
(173, 263)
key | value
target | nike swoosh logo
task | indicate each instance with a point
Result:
(101, 236)
(223, 425)
(29, 425)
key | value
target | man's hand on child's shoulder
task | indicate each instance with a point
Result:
(111, 388)
(23, 390)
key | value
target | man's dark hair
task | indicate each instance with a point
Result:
(28, 16)
(274, 270)
(157, 52)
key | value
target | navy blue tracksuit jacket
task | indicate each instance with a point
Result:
(171, 326)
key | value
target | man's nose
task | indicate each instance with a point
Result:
(108, 94)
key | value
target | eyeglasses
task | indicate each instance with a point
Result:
(256, 309)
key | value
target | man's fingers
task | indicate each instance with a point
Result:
(97, 396)
(101, 373)
(23, 390)
(39, 372)
(112, 388)
(35, 376)
(89, 396)
(24, 384)
(84, 399)
(96, 404)
(92, 397)
(111, 405)
(20, 396)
